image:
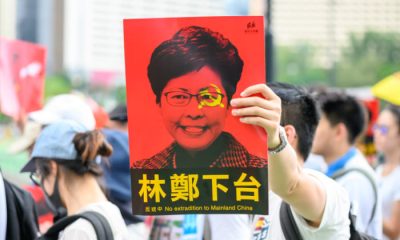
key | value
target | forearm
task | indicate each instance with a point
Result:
(283, 172)
(286, 177)
(288, 180)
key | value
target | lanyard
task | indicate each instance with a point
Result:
(339, 164)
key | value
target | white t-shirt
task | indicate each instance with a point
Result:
(3, 210)
(362, 197)
(335, 223)
(315, 162)
(390, 190)
(83, 230)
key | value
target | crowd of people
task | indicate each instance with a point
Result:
(67, 161)
(84, 170)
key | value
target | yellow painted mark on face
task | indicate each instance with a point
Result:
(210, 98)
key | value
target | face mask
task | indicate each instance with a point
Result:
(54, 201)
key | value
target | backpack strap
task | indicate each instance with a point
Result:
(343, 172)
(100, 225)
(98, 221)
(57, 227)
(288, 224)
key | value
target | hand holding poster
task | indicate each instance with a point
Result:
(188, 153)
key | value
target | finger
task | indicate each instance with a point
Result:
(265, 91)
(268, 125)
(255, 101)
(257, 112)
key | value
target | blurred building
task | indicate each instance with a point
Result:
(8, 18)
(93, 31)
(327, 24)
(85, 38)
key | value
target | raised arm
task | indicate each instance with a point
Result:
(286, 176)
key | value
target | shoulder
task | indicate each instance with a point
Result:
(359, 172)
(111, 213)
(160, 160)
(326, 182)
(80, 229)
(335, 221)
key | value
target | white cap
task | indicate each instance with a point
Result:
(65, 107)
(61, 107)
(30, 133)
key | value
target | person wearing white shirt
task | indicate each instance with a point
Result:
(319, 205)
(387, 142)
(343, 120)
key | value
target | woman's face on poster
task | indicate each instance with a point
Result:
(194, 108)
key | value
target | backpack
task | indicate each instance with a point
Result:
(343, 172)
(289, 226)
(291, 231)
(21, 213)
(98, 221)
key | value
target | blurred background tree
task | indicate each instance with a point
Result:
(56, 84)
(298, 65)
(367, 59)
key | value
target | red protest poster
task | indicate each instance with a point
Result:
(188, 153)
(22, 73)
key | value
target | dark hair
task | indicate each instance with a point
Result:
(119, 114)
(339, 107)
(395, 110)
(88, 146)
(298, 109)
(190, 49)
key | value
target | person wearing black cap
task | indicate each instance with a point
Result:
(118, 118)
(117, 176)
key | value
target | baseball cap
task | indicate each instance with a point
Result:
(31, 131)
(55, 142)
(65, 106)
(119, 113)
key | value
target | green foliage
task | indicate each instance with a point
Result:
(368, 59)
(297, 65)
(4, 118)
(56, 84)
(120, 94)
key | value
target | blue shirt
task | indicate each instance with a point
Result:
(3, 210)
(341, 162)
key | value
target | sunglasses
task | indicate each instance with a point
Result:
(383, 129)
(36, 179)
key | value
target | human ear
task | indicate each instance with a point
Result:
(291, 135)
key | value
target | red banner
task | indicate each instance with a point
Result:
(22, 74)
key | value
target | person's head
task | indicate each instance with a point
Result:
(387, 130)
(118, 118)
(194, 75)
(61, 107)
(299, 116)
(65, 154)
(343, 120)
